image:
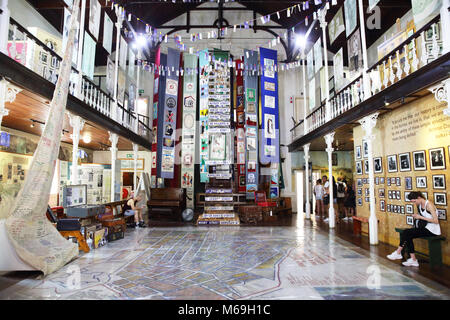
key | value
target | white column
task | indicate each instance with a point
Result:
(441, 92)
(323, 24)
(79, 87)
(119, 22)
(307, 183)
(368, 123)
(329, 138)
(305, 93)
(445, 25)
(114, 138)
(135, 157)
(366, 79)
(8, 93)
(77, 123)
(4, 26)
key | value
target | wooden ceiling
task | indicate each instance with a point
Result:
(29, 106)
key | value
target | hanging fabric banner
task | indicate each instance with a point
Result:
(189, 127)
(153, 182)
(270, 142)
(240, 127)
(169, 116)
(161, 107)
(251, 120)
(204, 59)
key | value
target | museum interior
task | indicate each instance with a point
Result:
(224, 150)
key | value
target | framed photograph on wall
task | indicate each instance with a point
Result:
(381, 193)
(365, 149)
(440, 199)
(392, 163)
(439, 181)
(389, 194)
(406, 196)
(419, 161)
(409, 220)
(409, 209)
(388, 208)
(334, 159)
(437, 158)
(382, 180)
(402, 209)
(366, 166)
(398, 181)
(377, 180)
(405, 162)
(408, 183)
(388, 181)
(358, 152)
(359, 192)
(378, 165)
(359, 201)
(364, 180)
(421, 182)
(382, 206)
(358, 167)
(442, 214)
(359, 182)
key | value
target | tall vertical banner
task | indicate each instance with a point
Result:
(240, 127)
(161, 107)
(270, 142)
(204, 59)
(189, 127)
(251, 120)
(168, 115)
(153, 181)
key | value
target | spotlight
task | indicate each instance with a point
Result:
(32, 125)
(300, 41)
(386, 103)
(141, 41)
(87, 139)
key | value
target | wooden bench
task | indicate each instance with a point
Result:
(434, 248)
(357, 224)
(167, 200)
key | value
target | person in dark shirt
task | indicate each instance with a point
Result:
(131, 209)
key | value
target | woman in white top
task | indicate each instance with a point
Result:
(426, 224)
(318, 192)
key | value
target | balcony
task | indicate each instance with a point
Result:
(400, 73)
(22, 67)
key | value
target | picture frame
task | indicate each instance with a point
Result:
(389, 194)
(359, 167)
(409, 208)
(367, 199)
(392, 163)
(382, 206)
(366, 166)
(406, 196)
(438, 181)
(359, 191)
(378, 165)
(419, 160)
(377, 180)
(365, 147)
(359, 201)
(388, 208)
(358, 152)
(381, 193)
(359, 182)
(405, 162)
(440, 199)
(402, 209)
(388, 181)
(442, 214)
(364, 180)
(437, 158)
(408, 183)
(334, 159)
(381, 180)
(398, 195)
(366, 192)
(410, 220)
(421, 182)
(398, 182)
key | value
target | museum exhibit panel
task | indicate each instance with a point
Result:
(222, 128)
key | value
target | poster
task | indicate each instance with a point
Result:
(123, 53)
(108, 28)
(121, 87)
(336, 26)
(355, 60)
(67, 16)
(312, 94)
(310, 64)
(94, 17)
(131, 64)
(351, 15)
(218, 147)
(338, 64)
(110, 75)
(424, 11)
(318, 59)
(269, 128)
(323, 89)
(88, 63)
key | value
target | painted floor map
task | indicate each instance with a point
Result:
(229, 263)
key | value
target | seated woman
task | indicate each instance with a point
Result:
(426, 224)
(130, 209)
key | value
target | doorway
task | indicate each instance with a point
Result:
(299, 190)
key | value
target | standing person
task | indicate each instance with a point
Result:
(130, 209)
(319, 193)
(341, 187)
(326, 196)
(426, 224)
(350, 203)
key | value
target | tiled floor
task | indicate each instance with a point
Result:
(188, 262)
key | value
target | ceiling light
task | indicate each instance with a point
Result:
(87, 139)
(300, 41)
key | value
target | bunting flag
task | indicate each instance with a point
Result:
(189, 127)
(169, 116)
(155, 119)
(160, 110)
(35, 240)
(240, 127)
(270, 142)
(251, 121)
(204, 59)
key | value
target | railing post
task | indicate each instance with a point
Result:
(329, 138)
(77, 123)
(79, 87)
(4, 26)
(119, 22)
(323, 24)
(368, 123)
(362, 24)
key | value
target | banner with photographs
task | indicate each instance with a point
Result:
(95, 11)
(270, 142)
(189, 127)
(338, 64)
(123, 53)
(67, 16)
(153, 181)
(88, 63)
(168, 116)
(318, 57)
(351, 14)
(251, 121)
(131, 63)
(240, 126)
(312, 94)
(310, 64)
(336, 26)
(110, 75)
(160, 117)
(204, 68)
(424, 11)
(108, 29)
(355, 59)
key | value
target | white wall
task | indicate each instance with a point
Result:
(104, 157)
